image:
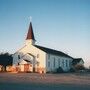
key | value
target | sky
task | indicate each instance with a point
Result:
(63, 25)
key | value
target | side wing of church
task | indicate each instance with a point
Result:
(35, 58)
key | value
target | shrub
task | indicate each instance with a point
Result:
(79, 67)
(59, 70)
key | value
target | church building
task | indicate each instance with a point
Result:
(35, 58)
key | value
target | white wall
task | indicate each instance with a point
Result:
(39, 55)
(59, 60)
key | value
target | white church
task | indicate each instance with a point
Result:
(35, 58)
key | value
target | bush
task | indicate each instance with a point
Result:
(79, 67)
(59, 70)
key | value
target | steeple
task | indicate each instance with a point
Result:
(30, 39)
(30, 34)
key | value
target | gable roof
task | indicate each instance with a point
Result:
(52, 51)
(77, 60)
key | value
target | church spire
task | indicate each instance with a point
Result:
(30, 39)
(30, 34)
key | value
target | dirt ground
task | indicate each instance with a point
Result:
(34, 81)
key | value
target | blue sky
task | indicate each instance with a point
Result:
(59, 24)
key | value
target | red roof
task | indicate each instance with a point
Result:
(30, 34)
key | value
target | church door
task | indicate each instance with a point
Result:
(26, 67)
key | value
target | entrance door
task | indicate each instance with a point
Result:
(26, 67)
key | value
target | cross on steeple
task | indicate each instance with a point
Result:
(30, 19)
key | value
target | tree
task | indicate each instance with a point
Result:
(5, 59)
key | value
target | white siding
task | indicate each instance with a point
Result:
(56, 62)
(39, 55)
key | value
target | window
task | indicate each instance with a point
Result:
(37, 55)
(58, 62)
(48, 64)
(18, 56)
(66, 63)
(63, 62)
(54, 63)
